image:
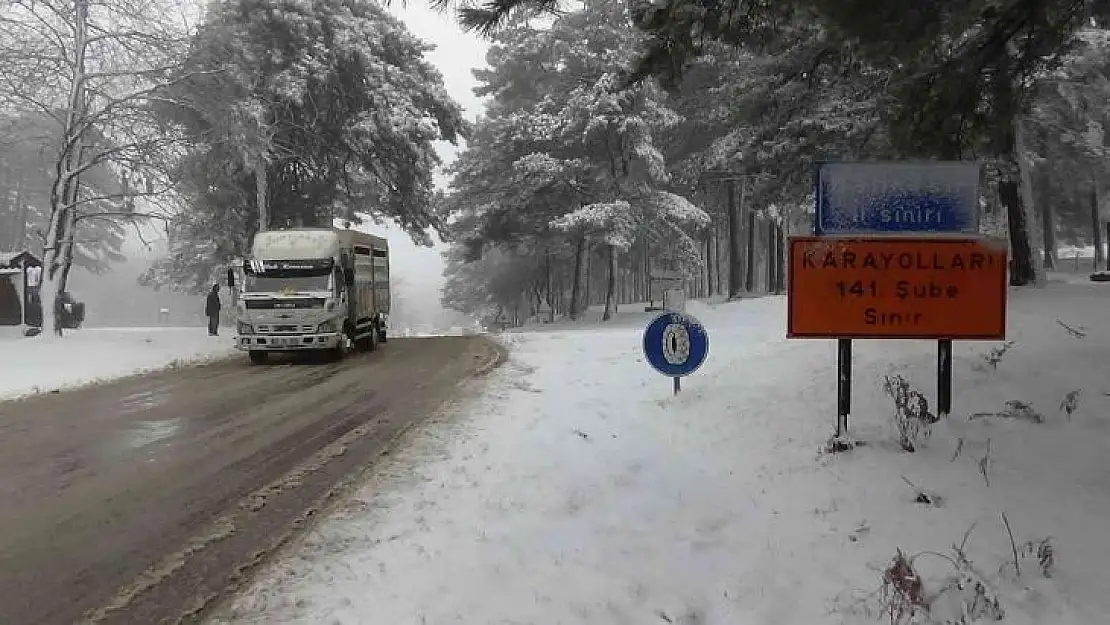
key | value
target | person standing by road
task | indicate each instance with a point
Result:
(212, 310)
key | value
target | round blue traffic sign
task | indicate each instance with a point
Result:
(675, 344)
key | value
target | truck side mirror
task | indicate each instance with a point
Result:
(230, 278)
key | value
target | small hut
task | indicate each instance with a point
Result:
(20, 277)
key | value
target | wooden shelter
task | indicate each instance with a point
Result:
(20, 274)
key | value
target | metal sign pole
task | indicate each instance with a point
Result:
(944, 377)
(843, 385)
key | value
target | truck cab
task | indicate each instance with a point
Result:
(314, 289)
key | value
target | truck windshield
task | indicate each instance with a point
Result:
(273, 284)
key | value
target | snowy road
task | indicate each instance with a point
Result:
(137, 501)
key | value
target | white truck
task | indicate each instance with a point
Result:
(312, 289)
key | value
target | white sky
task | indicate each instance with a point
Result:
(456, 54)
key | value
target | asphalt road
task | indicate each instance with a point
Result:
(143, 500)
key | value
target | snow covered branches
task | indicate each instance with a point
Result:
(575, 156)
(613, 221)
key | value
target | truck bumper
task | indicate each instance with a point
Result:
(287, 342)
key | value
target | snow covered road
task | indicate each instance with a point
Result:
(141, 499)
(577, 490)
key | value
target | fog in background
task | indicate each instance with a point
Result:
(116, 299)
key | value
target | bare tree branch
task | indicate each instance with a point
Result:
(124, 216)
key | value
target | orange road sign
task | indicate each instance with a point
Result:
(896, 288)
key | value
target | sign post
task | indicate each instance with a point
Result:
(897, 255)
(674, 300)
(675, 344)
(843, 385)
(944, 376)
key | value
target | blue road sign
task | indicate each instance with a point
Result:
(675, 344)
(897, 198)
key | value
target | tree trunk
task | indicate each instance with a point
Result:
(19, 218)
(67, 251)
(715, 256)
(578, 283)
(71, 223)
(1024, 165)
(735, 249)
(1108, 241)
(7, 207)
(611, 288)
(719, 257)
(589, 257)
(261, 193)
(1096, 228)
(772, 251)
(749, 273)
(557, 291)
(634, 265)
(780, 260)
(62, 189)
(709, 262)
(548, 285)
(1048, 234)
(622, 288)
(1021, 261)
(633, 275)
(1022, 268)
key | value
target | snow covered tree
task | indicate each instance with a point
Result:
(583, 148)
(26, 176)
(490, 287)
(959, 73)
(309, 112)
(759, 122)
(1068, 147)
(94, 69)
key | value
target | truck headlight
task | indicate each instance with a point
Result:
(244, 328)
(326, 327)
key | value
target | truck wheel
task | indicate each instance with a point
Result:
(339, 352)
(258, 357)
(382, 338)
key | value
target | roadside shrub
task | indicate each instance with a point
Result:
(911, 417)
(991, 359)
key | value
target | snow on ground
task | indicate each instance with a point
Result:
(43, 364)
(575, 489)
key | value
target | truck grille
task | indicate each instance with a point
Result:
(284, 303)
(286, 329)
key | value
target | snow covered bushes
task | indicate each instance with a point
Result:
(911, 415)
(960, 593)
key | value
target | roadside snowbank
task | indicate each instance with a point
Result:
(577, 490)
(43, 364)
